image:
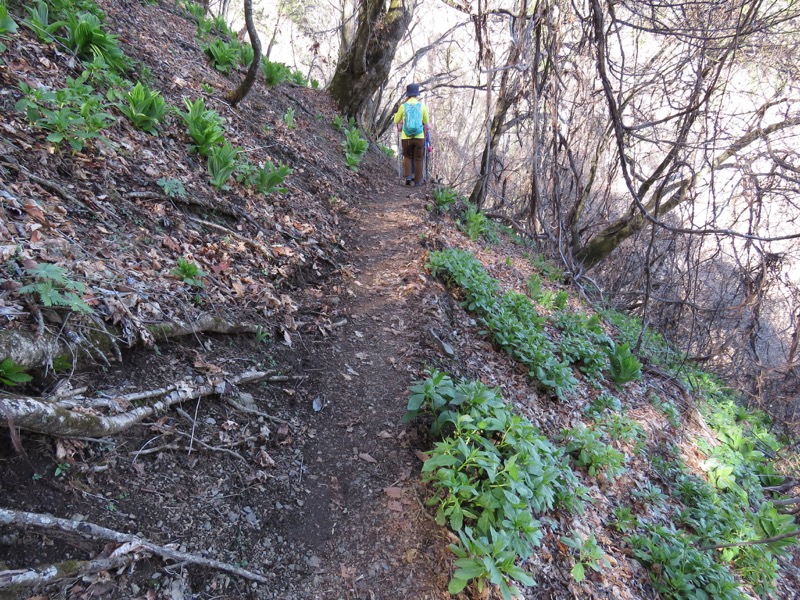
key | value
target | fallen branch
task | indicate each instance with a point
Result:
(19, 579)
(34, 414)
(28, 520)
(776, 538)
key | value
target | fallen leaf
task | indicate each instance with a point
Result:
(409, 555)
(367, 457)
(394, 492)
(395, 506)
(421, 455)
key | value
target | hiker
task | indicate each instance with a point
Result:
(412, 122)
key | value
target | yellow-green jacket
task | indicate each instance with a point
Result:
(401, 113)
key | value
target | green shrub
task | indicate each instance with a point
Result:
(7, 25)
(145, 108)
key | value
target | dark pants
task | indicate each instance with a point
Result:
(412, 151)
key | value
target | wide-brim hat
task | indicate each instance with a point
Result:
(412, 89)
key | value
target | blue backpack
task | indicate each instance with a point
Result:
(412, 119)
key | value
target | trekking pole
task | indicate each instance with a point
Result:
(399, 156)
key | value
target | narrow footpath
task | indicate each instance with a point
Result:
(364, 521)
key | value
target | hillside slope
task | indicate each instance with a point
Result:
(324, 300)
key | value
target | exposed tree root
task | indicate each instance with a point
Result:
(41, 416)
(11, 579)
(30, 351)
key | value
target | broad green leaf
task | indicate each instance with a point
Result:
(578, 572)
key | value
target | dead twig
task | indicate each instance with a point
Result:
(28, 520)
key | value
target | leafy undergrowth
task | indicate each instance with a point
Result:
(690, 512)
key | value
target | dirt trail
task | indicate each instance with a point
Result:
(363, 516)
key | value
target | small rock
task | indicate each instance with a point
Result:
(211, 421)
(233, 516)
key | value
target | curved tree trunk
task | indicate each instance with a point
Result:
(239, 93)
(364, 66)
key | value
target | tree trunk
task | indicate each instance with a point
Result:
(365, 65)
(239, 93)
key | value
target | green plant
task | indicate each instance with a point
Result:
(288, 118)
(189, 273)
(222, 55)
(589, 450)
(443, 197)
(339, 122)
(274, 73)
(590, 554)
(475, 223)
(146, 108)
(620, 427)
(511, 319)
(491, 470)
(262, 335)
(604, 403)
(625, 367)
(173, 188)
(624, 520)
(195, 9)
(62, 469)
(222, 163)
(651, 496)
(53, 288)
(354, 148)
(11, 374)
(298, 78)
(549, 270)
(86, 37)
(534, 287)
(74, 114)
(668, 408)
(207, 88)
(205, 126)
(486, 558)
(246, 55)
(679, 570)
(7, 25)
(387, 151)
(268, 179)
(38, 21)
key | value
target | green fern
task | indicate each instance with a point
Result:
(53, 288)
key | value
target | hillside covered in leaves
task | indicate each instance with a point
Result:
(239, 360)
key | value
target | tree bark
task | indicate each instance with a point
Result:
(239, 93)
(365, 65)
